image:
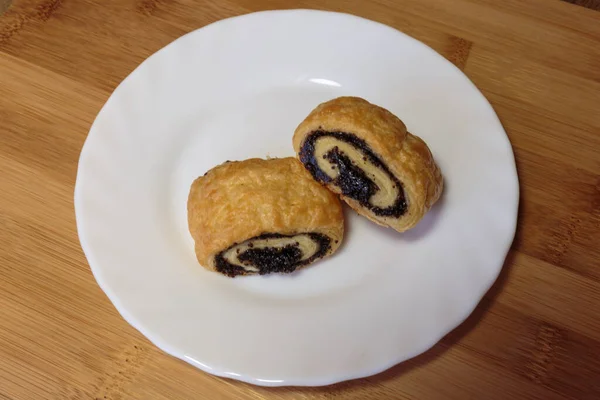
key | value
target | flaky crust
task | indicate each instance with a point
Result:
(237, 201)
(406, 155)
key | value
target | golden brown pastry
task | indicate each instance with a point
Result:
(262, 216)
(364, 153)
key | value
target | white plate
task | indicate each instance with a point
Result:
(237, 89)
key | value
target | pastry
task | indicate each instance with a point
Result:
(364, 153)
(262, 216)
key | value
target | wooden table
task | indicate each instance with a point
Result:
(536, 334)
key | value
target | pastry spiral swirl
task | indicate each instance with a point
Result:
(364, 153)
(262, 216)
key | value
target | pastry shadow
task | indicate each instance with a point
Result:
(423, 228)
(348, 229)
(428, 223)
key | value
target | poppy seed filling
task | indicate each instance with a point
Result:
(272, 252)
(348, 163)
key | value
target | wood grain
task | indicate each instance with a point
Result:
(536, 334)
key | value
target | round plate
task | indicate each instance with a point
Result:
(238, 89)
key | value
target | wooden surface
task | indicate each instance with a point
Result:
(536, 334)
